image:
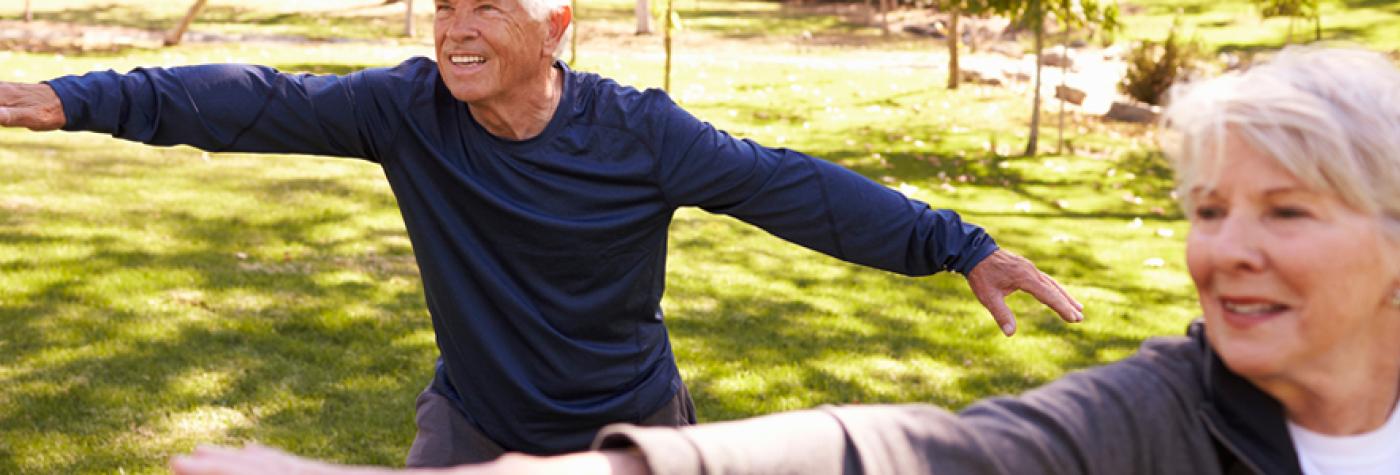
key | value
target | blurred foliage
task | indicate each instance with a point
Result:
(1153, 67)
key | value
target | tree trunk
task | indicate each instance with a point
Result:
(1064, 81)
(1317, 24)
(1035, 111)
(176, 34)
(666, 84)
(885, 17)
(28, 13)
(954, 71)
(408, 30)
(643, 10)
(573, 32)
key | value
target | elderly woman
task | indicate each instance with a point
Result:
(1288, 174)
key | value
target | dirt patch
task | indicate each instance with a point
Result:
(74, 38)
(51, 37)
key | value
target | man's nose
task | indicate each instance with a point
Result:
(462, 25)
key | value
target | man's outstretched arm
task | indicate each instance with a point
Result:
(838, 212)
(226, 108)
(31, 106)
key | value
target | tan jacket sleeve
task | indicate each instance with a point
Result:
(1134, 416)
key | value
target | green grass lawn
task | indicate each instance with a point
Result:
(158, 298)
(1235, 25)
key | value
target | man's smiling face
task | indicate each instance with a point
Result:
(488, 48)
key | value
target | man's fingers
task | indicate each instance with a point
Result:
(1048, 292)
(17, 117)
(1078, 307)
(996, 304)
(32, 106)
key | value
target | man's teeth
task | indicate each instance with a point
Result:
(466, 59)
(1249, 308)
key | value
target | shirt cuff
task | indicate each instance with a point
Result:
(803, 442)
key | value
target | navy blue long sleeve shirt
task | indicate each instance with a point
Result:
(543, 261)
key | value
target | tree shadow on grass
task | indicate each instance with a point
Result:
(339, 345)
(754, 334)
(776, 332)
(112, 347)
(1379, 4)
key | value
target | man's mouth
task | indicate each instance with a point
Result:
(466, 59)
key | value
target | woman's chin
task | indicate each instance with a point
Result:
(1254, 360)
(1251, 355)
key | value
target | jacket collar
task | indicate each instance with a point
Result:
(1245, 420)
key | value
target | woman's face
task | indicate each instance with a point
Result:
(1291, 280)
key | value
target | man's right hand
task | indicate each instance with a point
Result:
(32, 106)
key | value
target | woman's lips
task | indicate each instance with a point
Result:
(1245, 313)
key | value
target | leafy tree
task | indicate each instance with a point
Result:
(956, 9)
(1079, 13)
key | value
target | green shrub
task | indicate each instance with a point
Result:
(1153, 67)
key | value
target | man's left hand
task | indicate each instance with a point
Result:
(1003, 273)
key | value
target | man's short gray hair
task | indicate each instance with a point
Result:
(539, 9)
(1330, 116)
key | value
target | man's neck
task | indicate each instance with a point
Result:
(524, 114)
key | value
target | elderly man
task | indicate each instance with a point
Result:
(537, 199)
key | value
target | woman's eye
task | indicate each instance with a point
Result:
(1290, 212)
(1209, 212)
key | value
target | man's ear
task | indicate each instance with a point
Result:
(559, 21)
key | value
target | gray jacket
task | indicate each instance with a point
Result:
(1171, 408)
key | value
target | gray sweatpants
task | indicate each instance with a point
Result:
(446, 438)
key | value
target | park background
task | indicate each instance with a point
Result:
(152, 299)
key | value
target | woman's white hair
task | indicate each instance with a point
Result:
(1330, 116)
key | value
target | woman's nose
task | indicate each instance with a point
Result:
(1237, 244)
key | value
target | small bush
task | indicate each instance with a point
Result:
(1153, 67)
